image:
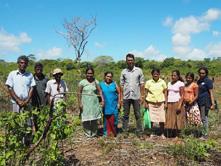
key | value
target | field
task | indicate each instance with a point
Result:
(125, 149)
(131, 150)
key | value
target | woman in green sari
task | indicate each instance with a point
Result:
(88, 93)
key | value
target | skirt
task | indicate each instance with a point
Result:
(193, 115)
(174, 119)
(157, 112)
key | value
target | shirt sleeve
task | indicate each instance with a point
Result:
(141, 77)
(122, 81)
(181, 84)
(9, 81)
(210, 84)
(97, 82)
(147, 85)
(32, 81)
(48, 89)
(195, 86)
(66, 87)
(164, 85)
(80, 83)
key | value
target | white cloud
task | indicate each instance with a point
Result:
(150, 53)
(52, 53)
(11, 43)
(216, 33)
(168, 21)
(212, 15)
(185, 27)
(196, 54)
(214, 50)
(190, 25)
(181, 51)
(180, 39)
(99, 45)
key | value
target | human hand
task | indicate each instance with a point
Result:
(146, 106)
(165, 106)
(102, 103)
(178, 111)
(25, 102)
(141, 100)
(119, 106)
(20, 102)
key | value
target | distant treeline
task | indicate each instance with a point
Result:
(72, 69)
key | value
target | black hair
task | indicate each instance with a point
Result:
(38, 64)
(130, 56)
(205, 69)
(155, 70)
(108, 72)
(89, 68)
(23, 57)
(178, 74)
(190, 74)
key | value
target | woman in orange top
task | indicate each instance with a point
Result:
(189, 99)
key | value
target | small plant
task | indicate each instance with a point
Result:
(142, 145)
(192, 149)
(107, 146)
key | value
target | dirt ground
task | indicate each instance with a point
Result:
(128, 149)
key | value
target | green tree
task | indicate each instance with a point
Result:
(139, 62)
(103, 60)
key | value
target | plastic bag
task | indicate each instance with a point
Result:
(146, 119)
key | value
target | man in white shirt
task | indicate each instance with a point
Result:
(56, 88)
(20, 85)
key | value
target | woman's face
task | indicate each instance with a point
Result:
(189, 79)
(90, 75)
(156, 76)
(174, 77)
(108, 78)
(202, 73)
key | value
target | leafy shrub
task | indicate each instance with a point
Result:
(191, 148)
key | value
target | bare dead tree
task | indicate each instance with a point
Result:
(77, 33)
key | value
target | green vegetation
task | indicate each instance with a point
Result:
(105, 63)
(47, 141)
(50, 151)
(192, 149)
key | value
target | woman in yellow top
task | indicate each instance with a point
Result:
(155, 97)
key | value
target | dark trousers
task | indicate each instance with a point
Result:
(136, 106)
(204, 118)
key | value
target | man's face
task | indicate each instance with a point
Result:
(22, 65)
(38, 70)
(130, 62)
(58, 76)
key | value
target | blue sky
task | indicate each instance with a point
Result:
(152, 29)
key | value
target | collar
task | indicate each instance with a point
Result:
(18, 72)
(54, 81)
(203, 79)
(41, 77)
(159, 80)
(134, 68)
